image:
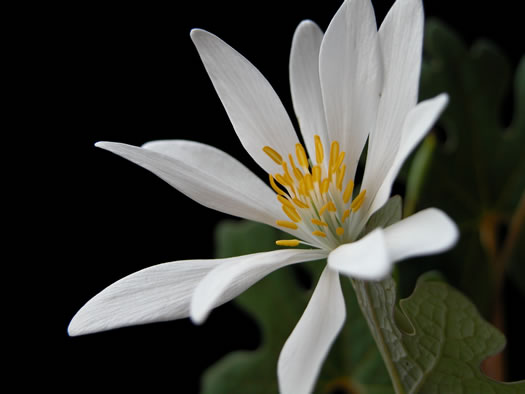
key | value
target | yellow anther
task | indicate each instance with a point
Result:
(285, 201)
(276, 188)
(345, 215)
(302, 188)
(273, 155)
(325, 185)
(340, 231)
(319, 222)
(287, 174)
(319, 152)
(288, 242)
(358, 201)
(340, 177)
(291, 213)
(284, 223)
(339, 161)
(348, 191)
(296, 171)
(279, 178)
(316, 174)
(319, 233)
(329, 206)
(300, 204)
(334, 153)
(298, 174)
(301, 156)
(308, 183)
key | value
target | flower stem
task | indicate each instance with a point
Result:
(370, 311)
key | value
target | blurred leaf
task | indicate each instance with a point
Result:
(417, 173)
(388, 214)
(276, 303)
(435, 341)
(477, 174)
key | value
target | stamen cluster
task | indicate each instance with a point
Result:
(313, 198)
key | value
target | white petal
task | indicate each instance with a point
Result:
(305, 84)
(305, 350)
(255, 110)
(207, 175)
(351, 77)
(401, 37)
(158, 293)
(230, 279)
(417, 123)
(367, 258)
(427, 232)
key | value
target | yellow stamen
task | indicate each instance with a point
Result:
(319, 152)
(325, 185)
(339, 160)
(319, 233)
(298, 174)
(358, 201)
(290, 181)
(308, 183)
(285, 201)
(276, 188)
(340, 231)
(340, 177)
(284, 223)
(319, 222)
(329, 206)
(291, 213)
(279, 178)
(273, 155)
(348, 191)
(316, 174)
(301, 156)
(334, 153)
(285, 182)
(345, 215)
(287, 174)
(288, 242)
(296, 171)
(300, 204)
(302, 188)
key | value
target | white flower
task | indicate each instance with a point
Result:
(351, 84)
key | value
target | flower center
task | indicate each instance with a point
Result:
(313, 198)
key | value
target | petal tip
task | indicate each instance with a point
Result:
(448, 227)
(75, 328)
(197, 33)
(198, 317)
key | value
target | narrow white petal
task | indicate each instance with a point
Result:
(305, 350)
(367, 258)
(305, 84)
(417, 124)
(158, 293)
(207, 175)
(230, 279)
(401, 37)
(427, 232)
(255, 110)
(351, 77)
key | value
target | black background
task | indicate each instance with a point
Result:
(129, 73)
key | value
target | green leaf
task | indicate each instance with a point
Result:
(388, 214)
(476, 173)
(276, 303)
(435, 341)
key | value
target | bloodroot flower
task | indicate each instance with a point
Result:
(351, 84)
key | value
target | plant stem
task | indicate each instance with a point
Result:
(362, 292)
